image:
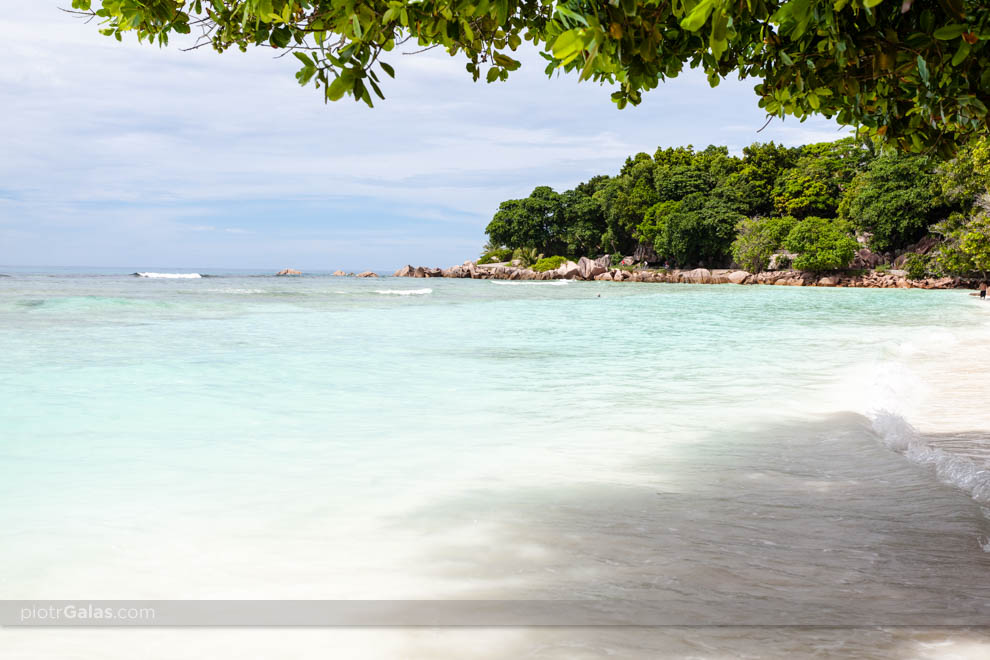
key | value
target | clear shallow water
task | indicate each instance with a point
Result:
(820, 451)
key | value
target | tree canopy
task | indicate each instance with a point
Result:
(690, 208)
(912, 74)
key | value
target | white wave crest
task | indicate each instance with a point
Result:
(405, 292)
(532, 282)
(171, 276)
(969, 473)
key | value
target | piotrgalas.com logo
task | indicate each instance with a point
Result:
(84, 612)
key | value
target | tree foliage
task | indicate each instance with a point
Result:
(758, 238)
(814, 185)
(895, 199)
(821, 244)
(914, 74)
(699, 231)
(739, 214)
(966, 249)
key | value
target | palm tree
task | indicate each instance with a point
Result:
(526, 256)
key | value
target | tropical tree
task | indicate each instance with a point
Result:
(526, 256)
(754, 181)
(821, 244)
(895, 199)
(698, 230)
(757, 239)
(966, 246)
(532, 222)
(817, 180)
(914, 74)
(625, 200)
(966, 177)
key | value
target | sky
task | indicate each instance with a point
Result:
(129, 155)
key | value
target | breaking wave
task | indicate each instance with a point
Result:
(960, 463)
(532, 282)
(404, 292)
(170, 276)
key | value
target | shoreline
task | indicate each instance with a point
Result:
(587, 270)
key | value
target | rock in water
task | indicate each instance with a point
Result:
(699, 276)
(589, 269)
(288, 271)
(367, 273)
(405, 271)
(568, 271)
(339, 273)
(738, 276)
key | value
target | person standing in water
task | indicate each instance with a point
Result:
(983, 290)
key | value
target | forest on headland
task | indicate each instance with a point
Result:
(819, 207)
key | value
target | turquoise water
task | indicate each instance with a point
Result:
(821, 450)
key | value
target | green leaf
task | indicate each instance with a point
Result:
(871, 3)
(501, 11)
(387, 68)
(697, 17)
(961, 53)
(341, 85)
(571, 14)
(378, 90)
(568, 44)
(949, 32)
(304, 58)
(923, 69)
(506, 62)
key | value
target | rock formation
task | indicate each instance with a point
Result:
(588, 269)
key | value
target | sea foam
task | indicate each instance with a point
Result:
(533, 282)
(405, 292)
(171, 276)
(969, 471)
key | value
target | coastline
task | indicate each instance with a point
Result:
(587, 270)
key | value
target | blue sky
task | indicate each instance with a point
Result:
(129, 155)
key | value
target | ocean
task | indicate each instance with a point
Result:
(782, 471)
